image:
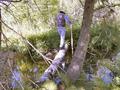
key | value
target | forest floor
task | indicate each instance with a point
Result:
(7, 62)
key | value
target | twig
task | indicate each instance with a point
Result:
(44, 57)
(37, 6)
(11, 13)
(109, 6)
(11, 0)
(81, 3)
(13, 73)
(6, 39)
(2, 86)
(25, 40)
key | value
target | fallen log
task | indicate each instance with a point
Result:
(54, 65)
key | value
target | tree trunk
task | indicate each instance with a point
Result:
(54, 65)
(76, 65)
(0, 29)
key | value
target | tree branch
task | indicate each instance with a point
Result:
(103, 6)
(16, 1)
(43, 56)
(54, 66)
(11, 0)
(81, 3)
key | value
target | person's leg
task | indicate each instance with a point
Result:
(62, 38)
(62, 32)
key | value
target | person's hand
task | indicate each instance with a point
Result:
(70, 26)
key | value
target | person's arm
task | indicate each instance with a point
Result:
(68, 20)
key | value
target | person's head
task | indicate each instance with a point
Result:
(62, 12)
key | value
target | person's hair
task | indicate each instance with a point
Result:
(62, 12)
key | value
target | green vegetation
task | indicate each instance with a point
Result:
(35, 21)
(104, 44)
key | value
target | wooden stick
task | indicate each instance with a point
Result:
(71, 40)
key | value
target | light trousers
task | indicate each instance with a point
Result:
(62, 32)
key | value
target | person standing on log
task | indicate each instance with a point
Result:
(62, 19)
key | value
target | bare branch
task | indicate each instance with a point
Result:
(6, 39)
(16, 0)
(44, 57)
(103, 6)
(2, 86)
(12, 14)
(81, 3)
(10, 0)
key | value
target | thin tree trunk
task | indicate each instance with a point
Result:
(76, 65)
(0, 29)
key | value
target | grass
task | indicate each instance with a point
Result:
(104, 43)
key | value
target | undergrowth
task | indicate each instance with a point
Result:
(104, 43)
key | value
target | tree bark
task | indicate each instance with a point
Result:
(0, 29)
(54, 65)
(76, 65)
